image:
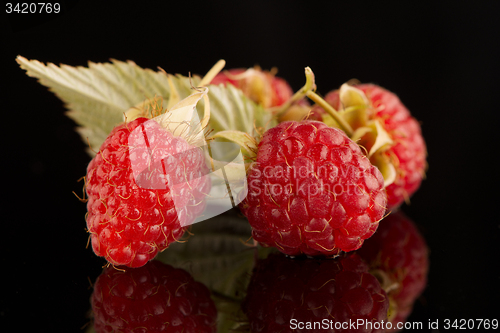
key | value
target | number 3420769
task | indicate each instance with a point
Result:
(32, 8)
(470, 324)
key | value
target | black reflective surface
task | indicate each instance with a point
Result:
(440, 59)
(262, 290)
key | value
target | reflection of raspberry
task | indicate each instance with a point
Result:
(398, 255)
(153, 298)
(142, 193)
(313, 290)
(408, 153)
(260, 86)
(312, 191)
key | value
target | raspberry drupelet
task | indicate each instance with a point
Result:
(145, 187)
(312, 191)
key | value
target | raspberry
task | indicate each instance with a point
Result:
(408, 154)
(313, 291)
(398, 255)
(153, 298)
(262, 87)
(312, 191)
(144, 188)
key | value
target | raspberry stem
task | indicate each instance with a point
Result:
(212, 72)
(308, 86)
(331, 111)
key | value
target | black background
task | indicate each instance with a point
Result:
(440, 58)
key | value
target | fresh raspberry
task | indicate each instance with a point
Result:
(153, 298)
(313, 290)
(144, 188)
(262, 87)
(312, 191)
(398, 255)
(408, 154)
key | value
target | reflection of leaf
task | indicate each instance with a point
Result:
(217, 257)
(216, 254)
(99, 95)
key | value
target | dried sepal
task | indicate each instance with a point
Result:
(181, 119)
(247, 144)
(385, 166)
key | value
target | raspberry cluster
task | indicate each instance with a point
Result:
(316, 187)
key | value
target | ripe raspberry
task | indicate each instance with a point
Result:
(398, 255)
(312, 290)
(262, 87)
(312, 191)
(408, 153)
(153, 298)
(144, 188)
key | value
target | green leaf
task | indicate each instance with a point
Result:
(98, 96)
(230, 109)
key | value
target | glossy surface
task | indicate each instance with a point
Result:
(264, 290)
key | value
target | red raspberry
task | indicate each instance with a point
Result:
(153, 298)
(144, 188)
(398, 255)
(408, 153)
(312, 290)
(262, 87)
(312, 191)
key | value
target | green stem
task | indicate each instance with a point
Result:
(331, 111)
(309, 86)
(212, 73)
